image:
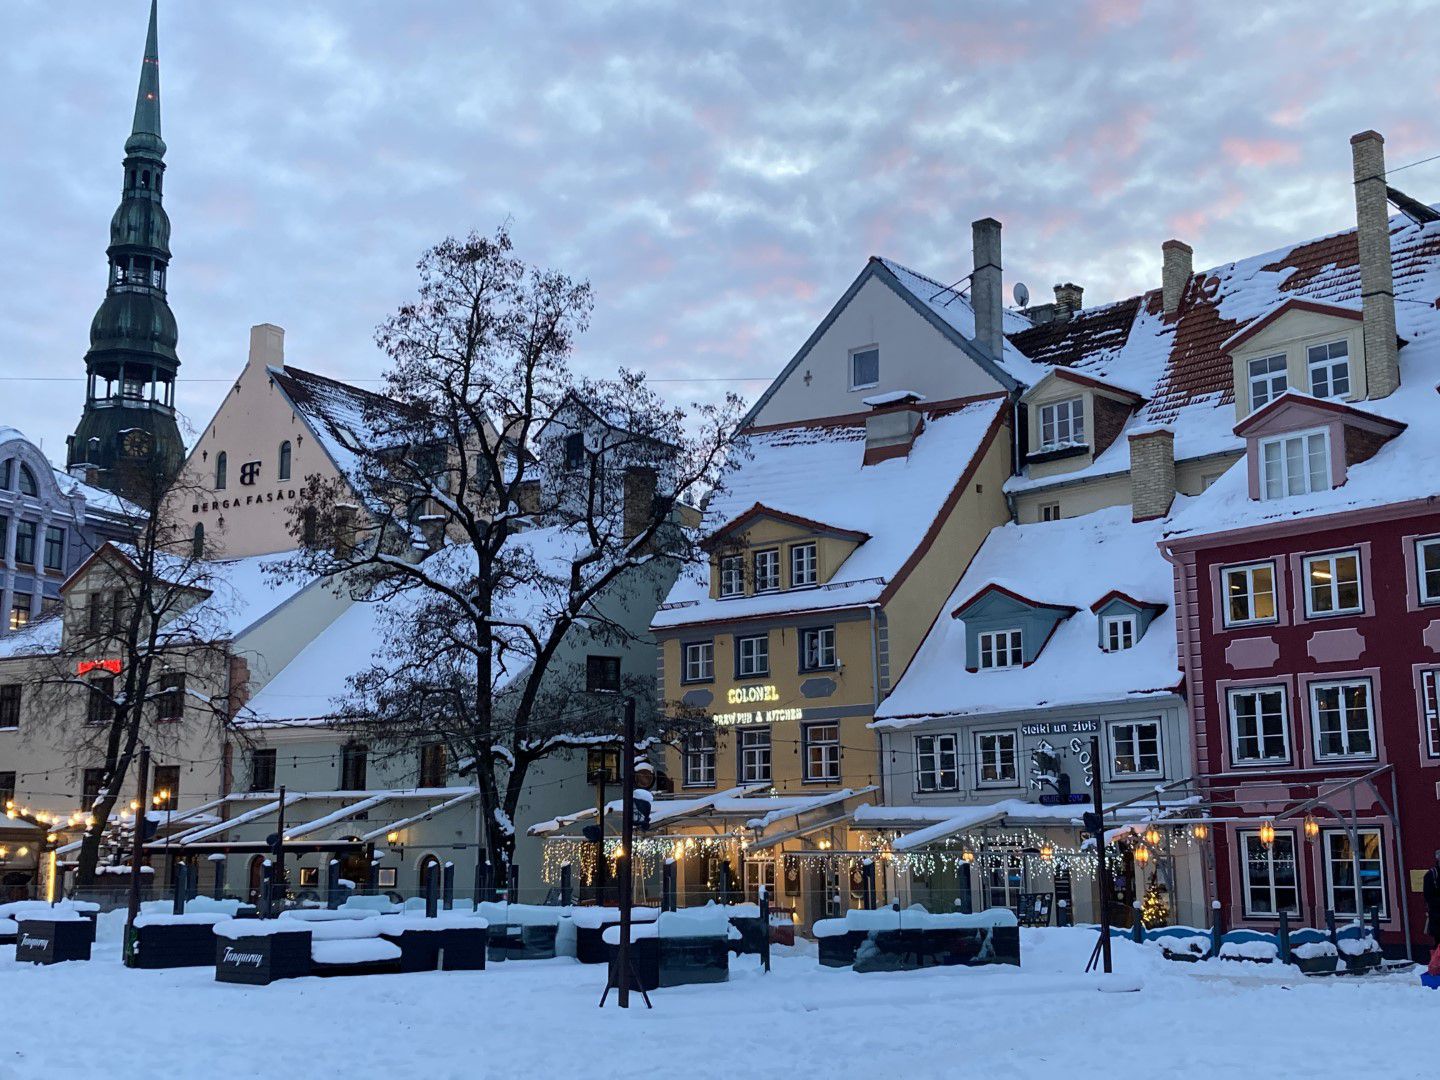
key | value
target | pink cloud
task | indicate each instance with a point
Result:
(1259, 152)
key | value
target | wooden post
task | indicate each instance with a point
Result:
(182, 888)
(484, 874)
(514, 883)
(432, 890)
(1138, 930)
(277, 880)
(627, 841)
(667, 886)
(1217, 927)
(332, 884)
(218, 862)
(267, 888)
(1103, 871)
(1330, 926)
(567, 885)
(447, 886)
(867, 883)
(1284, 937)
(601, 871)
(765, 927)
(725, 882)
(142, 782)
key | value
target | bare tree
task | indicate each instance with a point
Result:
(137, 655)
(512, 517)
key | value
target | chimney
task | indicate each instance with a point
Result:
(639, 501)
(1179, 269)
(267, 346)
(1067, 300)
(892, 425)
(1152, 473)
(985, 287)
(1377, 290)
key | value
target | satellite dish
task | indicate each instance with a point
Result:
(1021, 293)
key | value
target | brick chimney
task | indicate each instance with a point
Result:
(1179, 269)
(1377, 289)
(893, 423)
(639, 501)
(1067, 300)
(985, 287)
(267, 346)
(1152, 473)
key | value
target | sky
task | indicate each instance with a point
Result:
(719, 172)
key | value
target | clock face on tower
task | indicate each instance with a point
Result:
(136, 444)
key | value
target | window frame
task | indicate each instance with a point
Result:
(222, 470)
(598, 669)
(830, 752)
(1313, 690)
(1359, 888)
(170, 785)
(730, 567)
(1333, 557)
(428, 756)
(1430, 712)
(743, 752)
(100, 700)
(1248, 569)
(707, 662)
(1049, 511)
(167, 692)
(1243, 838)
(978, 742)
(1049, 416)
(1014, 648)
(12, 700)
(808, 553)
(699, 750)
(1233, 736)
(1254, 378)
(855, 355)
(285, 462)
(351, 753)
(819, 665)
(26, 533)
(1109, 622)
(935, 752)
(740, 641)
(1328, 363)
(54, 541)
(1113, 726)
(771, 556)
(267, 754)
(1422, 594)
(1281, 440)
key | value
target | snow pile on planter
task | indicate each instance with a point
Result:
(356, 950)
(1257, 950)
(701, 922)
(913, 918)
(1314, 950)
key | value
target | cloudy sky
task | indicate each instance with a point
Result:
(720, 172)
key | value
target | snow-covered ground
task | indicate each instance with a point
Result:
(539, 1019)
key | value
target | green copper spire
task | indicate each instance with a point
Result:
(127, 436)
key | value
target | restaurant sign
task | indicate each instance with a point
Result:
(1061, 727)
(757, 716)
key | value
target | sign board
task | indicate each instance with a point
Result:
(758, 716)
(1075, 797)
(746, 695)
(1062, 727)
(84, 667)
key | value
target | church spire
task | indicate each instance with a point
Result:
(127, 438)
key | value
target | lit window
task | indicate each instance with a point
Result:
(767, 570)
(1329, 366)
(864, 369)
(817, 648)
(20, 611)
(755, 755)
(1259, 726)
(1343, 723)
(1062, 424)
(1267, 379)
(699, 661)
(1349, 898)
(803, 565)
(1332, 584)
(1135, 748)
(1272, 884)
(1000, 649)
(1294, 464)
(1119, 632)
(732, 575)
(937, 763)
(1427, 558)
(822, 751)
(166, 787)
(752, 656)
(700, 759)
(1249, 594)
(995, 755)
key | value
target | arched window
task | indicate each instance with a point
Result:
(221, 461)
(27, 481)
(197, 541)
(284, 472)
(145, 179)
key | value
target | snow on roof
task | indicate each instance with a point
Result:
(1072, 562)
(1176, 361)
(756, 806)
(96, 499)
(340, 415)
(814, 471)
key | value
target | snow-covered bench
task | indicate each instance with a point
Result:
(892, 940)
(678, 947)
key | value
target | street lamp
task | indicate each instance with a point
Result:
(1312, 827)
(1200, 830)
(1142, 854)
(1152, 836)
(1267, 833)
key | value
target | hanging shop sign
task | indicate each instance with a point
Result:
(1061, 727)
(84, 667)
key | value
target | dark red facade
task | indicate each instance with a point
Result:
(1309, 659)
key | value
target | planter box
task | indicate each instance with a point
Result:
(53, 941)
(512, 942)
(838, 950)
(909, 950)
(171, 945)
(1354, 965)
(644, 963)
(1316, 965)
(354, 956)
(590, 945)
(686, 960)
(263, 958)
(451, 948)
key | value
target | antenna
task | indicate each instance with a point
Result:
(1021, 292)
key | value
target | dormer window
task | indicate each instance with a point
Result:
(1001, 649)
(1119, 632)
(1296, 464)
(767, 570)
(1329, 367)
(574, 450)
(864, 368)
(1267, 379)
(1062, 424)
(804, 566)
(732, 575)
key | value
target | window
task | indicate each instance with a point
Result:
(197, 541)
(574, 450)
(1118, 632)
(821, 744)
(91, 784)
(25, 543)
(4, 537)
(1267, 379)
(732, 575)
(937, 763)
(804, 567)
(1431, 694)
(262, 769)
(864, 368)
(165, 790)
(1249, 593)
(602, 674)
(10, 706)
(1135, 748)
(7, 474)
(54, 548)
(758, 873)
(700, 759)
(432, 765)
(221, 468)
(309, 876)
(699, 661)
(282, 472)
(1332, 584)
(1341, 717)
(602, 765)
(1005, 880)
(995, 754)
(752, 656)
(767, 570)
(817, 649)
(27, 482)
(1294, 464)
(754, 755)
(100, 700)
(354, 759)
(1342, 863)
(7, 789)
(1000, 649)
(1272, 884)
(1062, 424)
(1259, 727)
(1050, 511)
(1427, 558)
(102, 612)
(1329, 366)
(20, 611)
(170, 702)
